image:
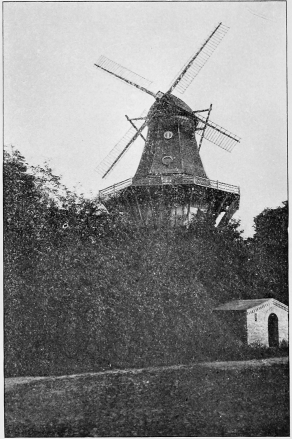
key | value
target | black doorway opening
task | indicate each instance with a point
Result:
(273, 330)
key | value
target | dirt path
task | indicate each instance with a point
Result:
(10, 383)
(246, 364)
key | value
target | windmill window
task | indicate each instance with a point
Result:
(166, 160)
(168, 135)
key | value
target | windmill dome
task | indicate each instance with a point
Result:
(179, 103)
(170, 104)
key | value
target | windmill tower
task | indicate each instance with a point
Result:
(170, 184)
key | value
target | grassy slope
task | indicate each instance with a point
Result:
(194, 401)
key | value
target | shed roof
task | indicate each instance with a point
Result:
(241, 305)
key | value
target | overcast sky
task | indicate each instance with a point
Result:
(58, 107)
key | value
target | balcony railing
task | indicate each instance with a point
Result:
(214, 184)
(112, 190)
(199, 181)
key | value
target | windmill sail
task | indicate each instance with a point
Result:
(197, 61)
(216, 134)
(124, 74)
(107, 164)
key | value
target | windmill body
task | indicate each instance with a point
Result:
(170, 185)
(171, 147)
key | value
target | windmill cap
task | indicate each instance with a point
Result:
(168, 101)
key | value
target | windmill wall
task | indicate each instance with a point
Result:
(171, 146)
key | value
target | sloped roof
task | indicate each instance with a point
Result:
(241, 305)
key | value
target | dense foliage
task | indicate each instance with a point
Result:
(85, 290)
(269, 253)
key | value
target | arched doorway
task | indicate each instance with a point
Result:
(273, 331)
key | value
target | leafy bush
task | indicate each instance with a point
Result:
(86, 291)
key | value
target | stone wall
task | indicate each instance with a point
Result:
(257, 322)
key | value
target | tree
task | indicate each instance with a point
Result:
(269, 253)
(271, 228)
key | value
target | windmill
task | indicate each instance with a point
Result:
(170, 184)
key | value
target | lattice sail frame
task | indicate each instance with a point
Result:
(197, 61)
(217, 134)
(124, 74)
(119, 149)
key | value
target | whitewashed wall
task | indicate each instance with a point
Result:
(257, 330)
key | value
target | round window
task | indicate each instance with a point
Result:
(167, 159)
(168, 135)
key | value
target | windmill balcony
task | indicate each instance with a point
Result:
(173, 199)
(168, 180)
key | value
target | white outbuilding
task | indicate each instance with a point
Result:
(260, 321)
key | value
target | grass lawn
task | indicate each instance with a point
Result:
(192, 401)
